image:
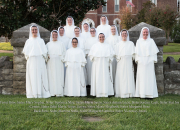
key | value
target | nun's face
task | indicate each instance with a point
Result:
(103, 20)
(145, 33)
(93, 32)
(76, 31)
(34, 31)
(74, 43)
(113, 30)
(124, 35)
(69, 20)
(61, 32)
(54, 36)
(86, 27)
(101, 38)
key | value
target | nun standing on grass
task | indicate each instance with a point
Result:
(113, 40)
(75, 61)
(89, 43)
(35, 52)
(145, 57)
(101, 54)
(124, 82)
(55, 67)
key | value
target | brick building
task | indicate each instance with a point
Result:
(112, 8)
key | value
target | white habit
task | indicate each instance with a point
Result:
(124, 82)
(35, 52)
(89, 43)
(75, 82)
(145, 57)
(55, 67)
(69, 30)
(113, 40)
(101, 55)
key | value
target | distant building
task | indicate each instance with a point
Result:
(112, 8)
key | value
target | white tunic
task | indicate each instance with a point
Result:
(89, 43)
(146, 55)
(124, 82)
(106, 29)
(36, 73)
(55, 68)
(65, 40)
(113, 40)
(75, 81)
(101, 54)
(85, 35)
(69, 31)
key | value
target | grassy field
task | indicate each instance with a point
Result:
(172, 47)
(6, 46)
(176, 57)
(17, 112)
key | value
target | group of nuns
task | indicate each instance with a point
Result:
(101, 58)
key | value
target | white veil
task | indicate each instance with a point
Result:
(107, 22)
(83, 27)
(67, 21)
(116, 30)
(51, 39)
(95, 31)
(127, 39)
(141, 34)
(30, 32)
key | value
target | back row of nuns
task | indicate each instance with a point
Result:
(72, 60)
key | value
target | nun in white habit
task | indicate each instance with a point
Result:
(69, 27)
(55, 67)
(104, 26)
(35, 52)
(145, 57)
(124, 82)
(89, 43)
(62, 37)
(113, 40)
(75, 61)
(85, 31)
(101, 54)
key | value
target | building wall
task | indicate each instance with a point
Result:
(112, 15)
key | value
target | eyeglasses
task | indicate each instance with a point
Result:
(74, 42)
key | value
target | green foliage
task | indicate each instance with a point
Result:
(6, 46)
(47, 13)
(175, 32)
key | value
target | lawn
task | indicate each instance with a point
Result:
(176, 57)
(6, 46)
(172, 47)
(18, 112)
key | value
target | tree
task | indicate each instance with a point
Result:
(47, 13)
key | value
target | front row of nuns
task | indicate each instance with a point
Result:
(43, 83)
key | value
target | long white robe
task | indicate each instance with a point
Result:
(101, 54)
(55, 67)
(88, 44)
(113, 40)
(75, 82)
(81, 45)
(69, 31)
(36, 73)
(146, 55)
(85, 35)
(106, 29)
(124, 82)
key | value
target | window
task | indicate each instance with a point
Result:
(116, 5)
(104, 8)
(154, 1)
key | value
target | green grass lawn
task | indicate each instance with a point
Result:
(17, 112)
(6, 46)
(172, 47)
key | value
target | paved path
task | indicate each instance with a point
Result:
(172, 53)
(4, 51)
